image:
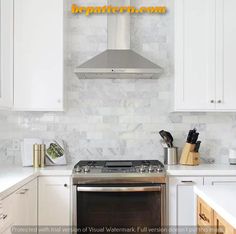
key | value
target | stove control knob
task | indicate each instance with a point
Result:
(78, 169)
(151, 169)
(142, 168)
(86, 169)
(160, 169)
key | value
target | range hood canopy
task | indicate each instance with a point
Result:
(118, 61)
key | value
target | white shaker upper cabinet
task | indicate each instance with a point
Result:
(225, 55)
(194, 55)
(205, 55)
(6, 53)
(38, 55)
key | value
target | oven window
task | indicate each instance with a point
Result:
(101, 210)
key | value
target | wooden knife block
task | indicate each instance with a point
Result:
(188, 156)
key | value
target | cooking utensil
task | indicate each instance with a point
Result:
(194, 138)
(197, 146)
(190, 135)
(167, 138)
(163, 143)
(170, 138)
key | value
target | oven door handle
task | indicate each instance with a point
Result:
(119, 189)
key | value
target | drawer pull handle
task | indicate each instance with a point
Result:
(189, 182)
(65, 185)
(23, 191)
(204, 218)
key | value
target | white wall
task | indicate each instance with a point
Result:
(117, 119)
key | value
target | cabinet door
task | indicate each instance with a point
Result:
(8, 213)
(194, 55)
(54, 201)
(181, 194)
(6, 53)
(225, 55)
(38, 55)
(204, 215)
(26, 200)
(222, 226)
(220, 180)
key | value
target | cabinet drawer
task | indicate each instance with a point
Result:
(7, 212)
(221, 225)
(204, 213)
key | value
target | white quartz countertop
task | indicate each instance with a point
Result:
(202, 170)
(220, 198)
(14, 177)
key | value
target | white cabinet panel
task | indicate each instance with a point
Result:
(38, 55)
(54, 201)
(8, 213)
(194, 54)
(26, 200)
(205, 54)
(220, 180)
(225, 55)
(182, 200)
(6, 53)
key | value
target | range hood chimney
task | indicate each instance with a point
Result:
(118, 61)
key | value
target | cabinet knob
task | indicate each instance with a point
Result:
(4, 216)
(219, 101)
(212, 101)
(65, 185)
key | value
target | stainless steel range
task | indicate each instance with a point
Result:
(119, 196)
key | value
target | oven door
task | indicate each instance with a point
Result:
(109, 208)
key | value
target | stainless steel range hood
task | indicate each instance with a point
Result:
(118, 61)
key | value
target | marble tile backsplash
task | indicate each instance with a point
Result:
(117, 119)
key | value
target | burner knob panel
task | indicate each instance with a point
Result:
(86, 169)
(78, 169)
(159, 169)
(142, 168)
(151, 169)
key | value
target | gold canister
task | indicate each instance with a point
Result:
(36, 155)
(42, 155)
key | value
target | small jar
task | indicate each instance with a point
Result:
(36, 155)
(42, 155)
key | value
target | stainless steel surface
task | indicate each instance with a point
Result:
(97, 172)
(118, 33)
(163, 205)
(117, 177)
(118, 61)
(119, 189)
(171, 156)
(74, 209)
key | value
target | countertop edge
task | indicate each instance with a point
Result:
(220, 210)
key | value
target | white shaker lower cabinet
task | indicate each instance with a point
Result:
(19, 208)
(181, 200)
(220, 180)
(38, 55)
(54, 201)
(6, 54)
(26, 200)
(7, 214)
